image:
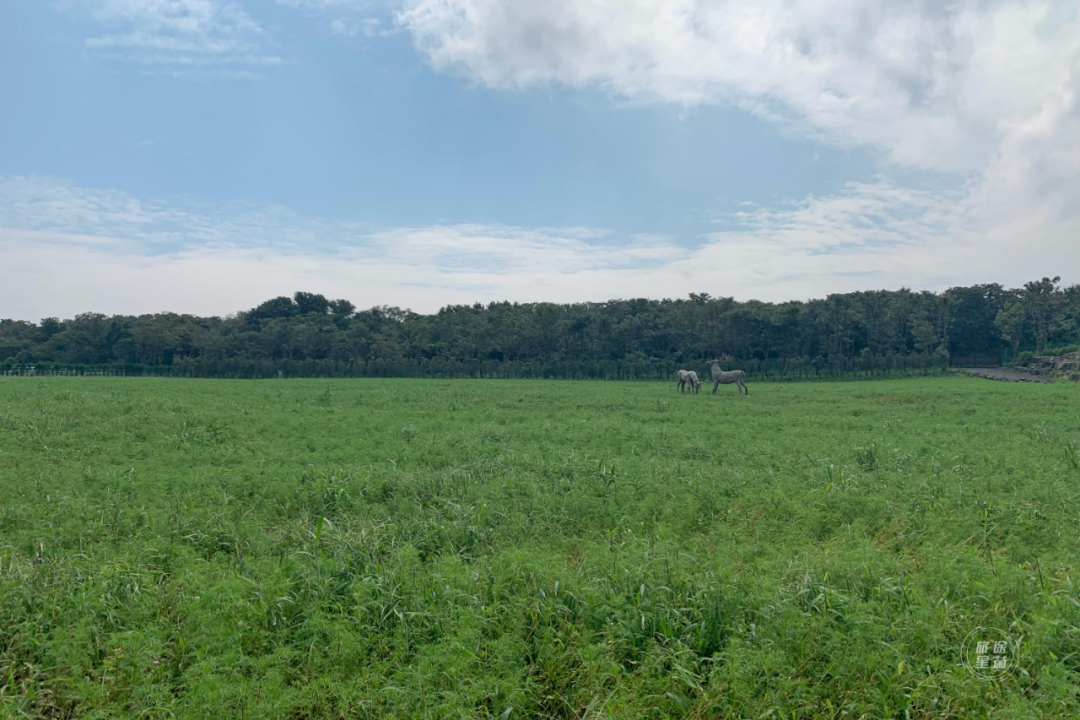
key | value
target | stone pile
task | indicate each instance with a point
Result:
(1066, 366)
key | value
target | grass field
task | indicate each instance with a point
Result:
(521, 549)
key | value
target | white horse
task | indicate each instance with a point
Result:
(688, 377)
(684, 377)
(694, 382)
(719, 377)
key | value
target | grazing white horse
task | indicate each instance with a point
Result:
(688, 377)
(694, 382)
(684, 377)
(719, 377)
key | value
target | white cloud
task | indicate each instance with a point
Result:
(349, 28)
(323, 5)
(350, 17)
(57, 207)
(65, 249)
(340, 27)
(935, 85)
(178, 35)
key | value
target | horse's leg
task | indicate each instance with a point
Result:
(715, 384)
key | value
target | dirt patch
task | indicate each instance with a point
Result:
(1002, 374)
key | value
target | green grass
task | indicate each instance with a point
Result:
(517, 549)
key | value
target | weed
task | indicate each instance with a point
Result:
(867, 457)
(1072, 454)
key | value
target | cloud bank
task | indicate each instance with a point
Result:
(986, 91)
(979, 96)
(68, 249)
(935, 85)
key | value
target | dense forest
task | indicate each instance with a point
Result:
(862, 333)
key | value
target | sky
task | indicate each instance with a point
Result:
(202, 156)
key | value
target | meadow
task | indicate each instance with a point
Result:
(535, 549)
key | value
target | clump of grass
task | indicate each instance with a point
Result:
(867, 457)
(1072, 454)
(1038, 432)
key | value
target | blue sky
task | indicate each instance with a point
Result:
(203, 155)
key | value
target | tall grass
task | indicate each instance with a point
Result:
(512, 549)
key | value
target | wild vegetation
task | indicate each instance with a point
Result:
(523, 549)
(880, 333)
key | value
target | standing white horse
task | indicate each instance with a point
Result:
(719, 377)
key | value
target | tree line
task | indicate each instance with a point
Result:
(869, 333)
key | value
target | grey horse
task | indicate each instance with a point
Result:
(719, 377)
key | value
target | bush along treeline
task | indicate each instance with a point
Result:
(875, 333)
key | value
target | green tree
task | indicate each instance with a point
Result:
(922, 333)
(278, 307)
(342, 308)
(1010, 323)
(1040, 300)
